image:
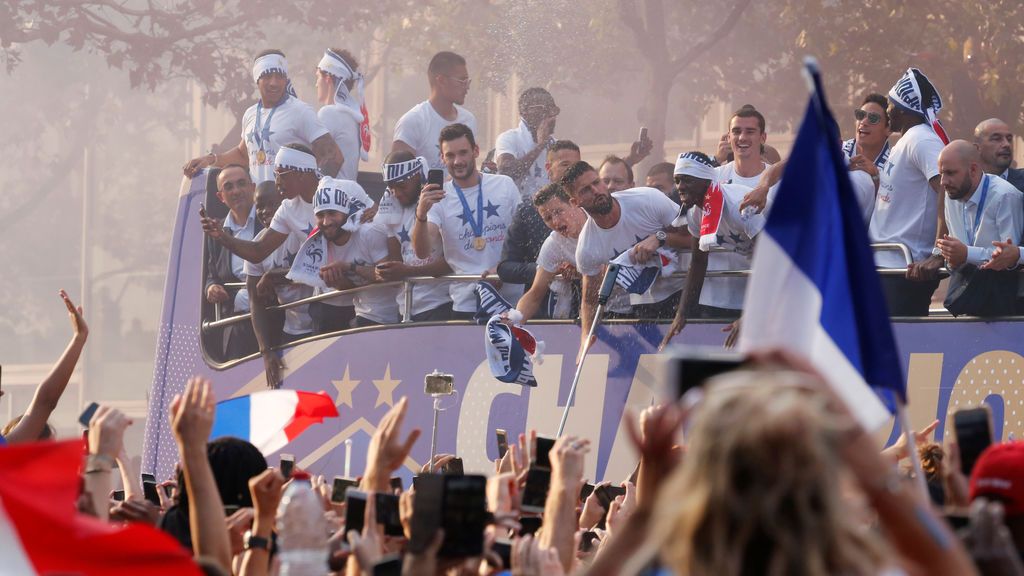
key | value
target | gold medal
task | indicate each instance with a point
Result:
(479, 243)
(261, 157)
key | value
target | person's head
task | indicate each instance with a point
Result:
(449, 77)
(616, 174)
(235, 188)
(759, 486)
(587, 190)
(459, 151)
(337, 65)
(913, 100)
(746, 133)
(47, 433)
(561, 155)
(295, 171)
(995, 144)
(536, 104)
(332, 207)
(998, 475)
(270, 72)
(959, 169)
(693, 173)
(557, 212)
(267, 202)
(660, 177)
(872, 121)
(403, 174)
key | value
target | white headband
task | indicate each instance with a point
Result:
(690, 164)
(292, 159)
(269, 64)
(336, 194)
(404, 170)
(336, 66)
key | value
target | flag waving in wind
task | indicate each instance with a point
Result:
(638, 278)
(272, 418)
(813, 287)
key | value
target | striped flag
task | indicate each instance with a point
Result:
(272, 418)
(637, 279)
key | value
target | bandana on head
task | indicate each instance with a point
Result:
(401, 171)
(269, 64)
(292, 159)
(692, 164)
(344, 196)
(332, 63)
(914, 92)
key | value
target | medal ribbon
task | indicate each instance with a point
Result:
(972, 231)
(263, 135)
(478, 224)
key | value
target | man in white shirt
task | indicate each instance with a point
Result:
(418, 130)
(468, 218)
(520, 152)
(342, 112)
(980, 209)
(276, 119)
(405, 176)
(909, 207)
(715, 220)
(638, 220)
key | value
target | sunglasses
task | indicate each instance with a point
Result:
(285, 172)
(873, 117)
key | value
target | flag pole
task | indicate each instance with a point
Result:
(602, 298)
(915, 458)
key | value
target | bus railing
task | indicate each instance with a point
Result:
(407, 285)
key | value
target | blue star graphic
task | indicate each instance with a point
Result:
(465, 218)
(736, 238)
(289, 258)
(403, 235)
(308, 230)
(640, 238)
(720, 239)
(491, 209)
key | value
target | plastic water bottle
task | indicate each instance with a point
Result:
(301, 530)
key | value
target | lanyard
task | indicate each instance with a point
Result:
(478, 224)
(263, 135)
(972, 231)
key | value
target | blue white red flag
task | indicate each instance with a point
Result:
(273, 418)
(511, 351)
(489, 303)
(638, 278)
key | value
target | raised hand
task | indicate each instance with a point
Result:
(106, 432)
(678, 323)
(192, 413)
(78, 325)
(274, 367)
(215, 294)
(387, 450)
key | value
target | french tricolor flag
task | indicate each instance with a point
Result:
(638, 278)
(273, 418)
(814, 288)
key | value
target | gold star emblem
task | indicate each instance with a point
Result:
(386, 387)
(345, 387)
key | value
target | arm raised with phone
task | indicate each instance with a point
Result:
(426, 235)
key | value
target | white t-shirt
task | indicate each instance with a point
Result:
(518, 142)
(644, 211)
(399, 220)
(296, 319)
(864, 190)
(555, 251)
(294, 216)
(367, 246)
(726, 174)
(736, 232)
(500, 200)
(293, 121)
(341, 123)
(906, 209)
(421, 127)
(243, 231)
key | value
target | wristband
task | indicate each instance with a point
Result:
(98, 463)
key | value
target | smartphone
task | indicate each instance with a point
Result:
(118, 495)
(387, 566)
(149, 489)
(957, 519)
(529, 525)
(436, 177)
(607, 494)
(355, 510)
(148, 478)
(87, 414)
(502, 437)
(541, 452)
(587, 541)
(438, 384)
(586, 491)
(426, 511)
(340, 486)
(453, 466)
(503, 548)
(692, 367)
(230, 509)
(643, 134)
(396, 483)
(287, 465)
(535, 493)
(387, 514)
(973, 427)
(464, 516)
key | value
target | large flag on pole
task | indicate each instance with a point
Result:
(813, 287)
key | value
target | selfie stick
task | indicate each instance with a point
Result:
(433, 434)
(602, 298)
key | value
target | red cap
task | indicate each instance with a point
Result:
(999, 472)
(300, 475)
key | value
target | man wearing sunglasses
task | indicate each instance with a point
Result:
(418, 131)
(869, 150)
(520, 151)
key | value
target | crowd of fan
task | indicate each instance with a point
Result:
(762, 470)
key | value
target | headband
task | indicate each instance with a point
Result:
(269, 64)
(332, 63)
(292, 159)
(692, 164)
(401, 171)
(332, 194)
(915, 93)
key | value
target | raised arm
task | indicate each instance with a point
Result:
(237, 155)
(262, 325)
(591, 285)
(48, 393)
(254, 251)
(567, 457)
(532, 299)
(426, 234)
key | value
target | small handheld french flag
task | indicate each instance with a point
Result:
(637, 279)
(273, 418)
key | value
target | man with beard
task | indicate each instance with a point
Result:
(521, 151)
(405, 176)
(638, 220)
(468, 218)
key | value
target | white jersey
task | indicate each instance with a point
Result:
(519, 142)
(421, 126)
(726, 174)
(294, 216)
(555, 251)
(644, 211)
(296, 319)
(367, 246)
(864, 190)
(340, 121)
(292, 121)
(399, 220)
(499, 203)
(906, 210)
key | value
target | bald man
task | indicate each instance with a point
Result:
(980, 209)
(995, 144)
